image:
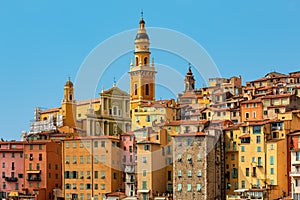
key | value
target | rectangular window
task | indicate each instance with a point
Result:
(88, 144)
(232, 156)
(272, 171)
(96, 174)
(198, 187)
(144, 185)
(102, 143)
(81, 144)
(243, 184)
(147, 147)
(67, 144)
(102, 174)
(179, 187)
(88, 159)
(144, 159)
(144, 172)
(189, 173)
(234, 173)
(148, 118)
(258, 139)
(254, 114)
(244, 129)
(271, 160)
(169, 175)
(199, 172)
(297, 155)
(96, 144)
(247, 171)
(179, 173)
(243, 148)
(258, 149)
(189, 187)
(96, 159)
(256, 129)
(81, 159)
(242, 158)
(102, 159)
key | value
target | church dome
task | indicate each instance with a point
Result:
(69, 83)
(142, 36)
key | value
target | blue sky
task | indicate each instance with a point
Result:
(44, 42)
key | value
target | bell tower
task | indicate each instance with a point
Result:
(142, 72)
(68, 107)
(189, 81)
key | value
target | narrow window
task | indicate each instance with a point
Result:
(135, 89)
(147, 89)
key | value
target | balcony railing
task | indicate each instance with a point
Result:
(129, 169)
(130, 180)
(11, 179)
(295, 173)
(33, 178)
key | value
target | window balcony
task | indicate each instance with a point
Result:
(295, 174)
(11, 179)
(33, 178)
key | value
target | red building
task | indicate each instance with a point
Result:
(128, 163)
(12, 168)
(42, 168)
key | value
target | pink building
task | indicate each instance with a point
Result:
(128, 163)
(12, 168)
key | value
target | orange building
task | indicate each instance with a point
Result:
(42, 168)
(251, 110)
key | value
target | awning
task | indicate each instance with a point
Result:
(247, 135)
(13, 194)
(143, 191)
(241, 190)
(33, 171)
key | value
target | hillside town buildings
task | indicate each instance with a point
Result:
(223, 141)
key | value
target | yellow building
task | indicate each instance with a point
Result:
(142, 73)
(155, 112)
(91, 166)
(152, 162)
(252, 157)
(231, 137)
(84, 105)
(57, 118)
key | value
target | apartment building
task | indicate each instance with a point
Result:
(42, 168)
(91, 167)
(12, 168)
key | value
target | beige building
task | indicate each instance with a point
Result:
(92, 167)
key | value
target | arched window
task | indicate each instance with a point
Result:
(136, 61)
(145, 61)
(135, 89)
(147, 90)
(70, 97)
